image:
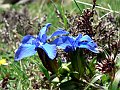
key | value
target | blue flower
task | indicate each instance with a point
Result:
(30, 44)
(69, 43)
(88, 43)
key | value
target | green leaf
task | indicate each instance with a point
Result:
(64, 18)
(78, 6)
(118, 61)
(94, 79)
(64, 69)
(72, 85)
(19, 85)
(59, 62)
(91, 67)
(105, 78)
(56, 79)
(65, 66)
(44, 70)
(116, 81)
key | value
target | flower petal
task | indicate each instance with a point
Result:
(77, 40)
(88, 43)
(50, 50)
(69, 49)
(85, 38)
(78, 37)
(3, 62)
(58, 41)
(42, 34)
(24, 50)
(58, 33)
(89, 48)
(93, 47)
(28, 39)
(64, 42)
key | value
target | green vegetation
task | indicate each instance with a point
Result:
(29, 73)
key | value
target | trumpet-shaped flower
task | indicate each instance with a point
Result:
(88, 43)
(30, 44)
(69, 43)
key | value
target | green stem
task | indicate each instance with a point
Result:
(81, 63)
(78, 62)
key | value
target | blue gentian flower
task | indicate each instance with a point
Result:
(65, 42)
(30, 44)
(88, 43)
(69, 43)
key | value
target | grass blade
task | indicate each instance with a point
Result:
(94, 79)
(116, 81)
(106, 9)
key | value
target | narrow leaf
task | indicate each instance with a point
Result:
(116, 81)
(94, 79)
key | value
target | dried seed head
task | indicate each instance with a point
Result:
(105, 66)
(81, 24)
